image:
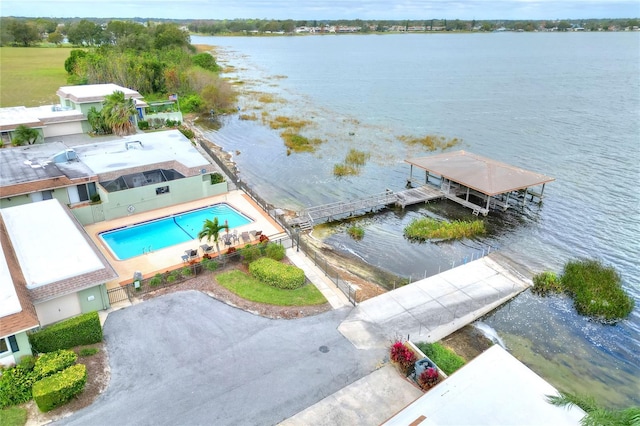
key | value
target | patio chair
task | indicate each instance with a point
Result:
(245, 237)
(206, 248)
(191, 254)
(234, 235)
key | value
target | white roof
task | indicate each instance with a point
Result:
(9, 303)
(93, 92)
(156, 147)
(493, 389)
(45, 229)
(12, 117)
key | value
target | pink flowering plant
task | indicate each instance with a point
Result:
(428, 378)
(403, 356)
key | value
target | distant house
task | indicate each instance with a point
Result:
(54, 268)
(108, 179)
(69, 117)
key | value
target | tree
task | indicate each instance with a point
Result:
(55, 37)
(169, 35)
(206, 61)
(211, 230)
(85, 33)
(563, 25)
(596, 415)
(117, 112)
(24, 134)
(24, 33)
(96, 121)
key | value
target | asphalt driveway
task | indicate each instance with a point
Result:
(187, 359)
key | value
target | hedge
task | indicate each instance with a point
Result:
(52, 362)
(277, 274)
(15, 385)
(54, 391)
(84, 329)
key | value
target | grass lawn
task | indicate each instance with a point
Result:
(30, 76)
(13, 416)
(249, 288)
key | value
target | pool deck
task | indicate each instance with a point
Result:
(171, 257)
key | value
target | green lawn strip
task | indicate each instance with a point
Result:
(31, 75)
(249, 288)
(13, 416)
(446, 359)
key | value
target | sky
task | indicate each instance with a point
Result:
(324, 9)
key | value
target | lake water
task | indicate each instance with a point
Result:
(564, 105)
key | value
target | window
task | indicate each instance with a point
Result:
(6, 138)
(3, 346)
(162, 190)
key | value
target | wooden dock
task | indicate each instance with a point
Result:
(411, 196)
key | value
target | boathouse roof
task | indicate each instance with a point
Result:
(485, 175)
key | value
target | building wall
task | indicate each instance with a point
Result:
(62, 129)
(24, 348)
(58, 309)
(94, 299)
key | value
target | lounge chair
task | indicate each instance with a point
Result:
(191, 254)
(245, 237)
(206, 248)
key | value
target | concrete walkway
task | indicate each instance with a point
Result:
(432, 308)
(331, 292)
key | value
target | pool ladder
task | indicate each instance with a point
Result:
(146, 250)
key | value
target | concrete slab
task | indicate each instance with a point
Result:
(409, 296)
(435, 286)
(493, 389)
(369, 401)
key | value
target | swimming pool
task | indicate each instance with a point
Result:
(140, 238)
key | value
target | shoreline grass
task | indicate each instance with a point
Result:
(431, 142)
(251, 289)
(596, 289)
(356, 232)
(427, 228)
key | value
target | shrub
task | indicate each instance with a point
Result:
(276, 274)
(403, 356)
(275, 251)
(263, 239)
(186, 271)
(88, 351)
(15, 385)
(56, 390)
(191, 103)
(428, 378)
(251, 253)
(84, 329)
(156, 280)
(447, 360)
(173, 276)
(596, 290)
(545, 283)
(27, 362)
(52, 362)
(356, 232)
(210, 264)
(216, 178)
(143, 125)
(188, 133)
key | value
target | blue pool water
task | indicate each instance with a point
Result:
(140, 238)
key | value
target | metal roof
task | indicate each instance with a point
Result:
(483, 174)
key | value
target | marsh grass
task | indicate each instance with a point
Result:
(249, 288)
(545, 283)
(356, 232)
(596, 290)
(282, 122)
(353, 162)
(431, 142)
(248, 117)
(31, 75)
(298, 143)
(428, 228)
(446, 359)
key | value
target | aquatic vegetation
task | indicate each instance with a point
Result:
(431, 142)
(282, 122)
(352, 163)
(596, 289)
(248, 117)
(427, 228)
(356, 232)
(298, 143)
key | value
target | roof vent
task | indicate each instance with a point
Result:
(133, 145)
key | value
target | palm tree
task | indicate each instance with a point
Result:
(596, 415)
(211, 229)
(24, 134)
(117, 112)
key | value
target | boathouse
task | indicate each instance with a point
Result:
(477, 182)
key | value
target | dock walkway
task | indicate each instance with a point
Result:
(404, 198)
